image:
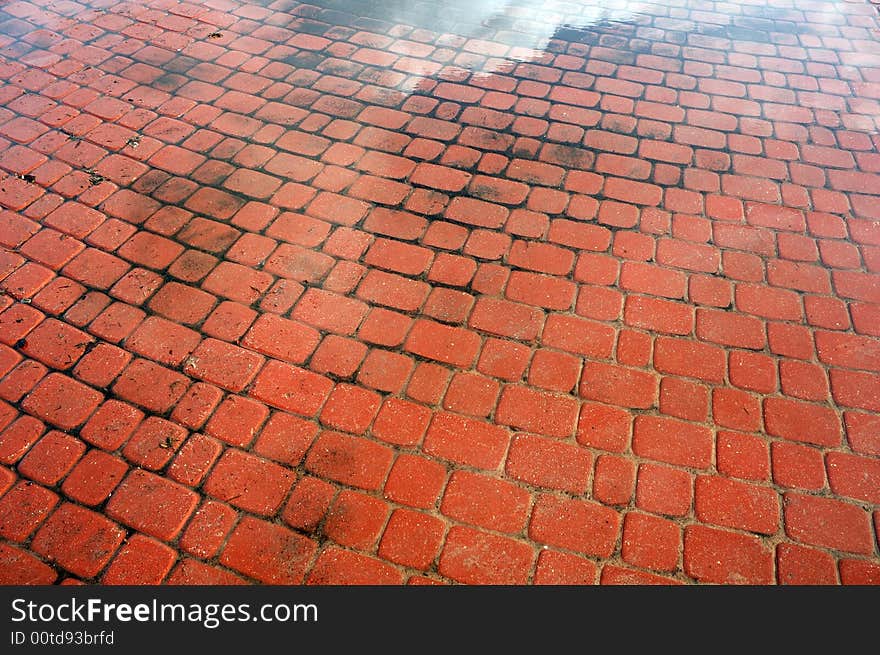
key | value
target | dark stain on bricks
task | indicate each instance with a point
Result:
(567, 156)
(337, 460)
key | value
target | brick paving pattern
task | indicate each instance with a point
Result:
(483, 293)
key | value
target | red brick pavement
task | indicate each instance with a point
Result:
(555, 293)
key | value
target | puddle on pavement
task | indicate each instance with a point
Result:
(527, 31)
(529, 24)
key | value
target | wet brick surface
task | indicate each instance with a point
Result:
(484, 292)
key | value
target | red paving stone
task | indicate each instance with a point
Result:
(292, 294)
